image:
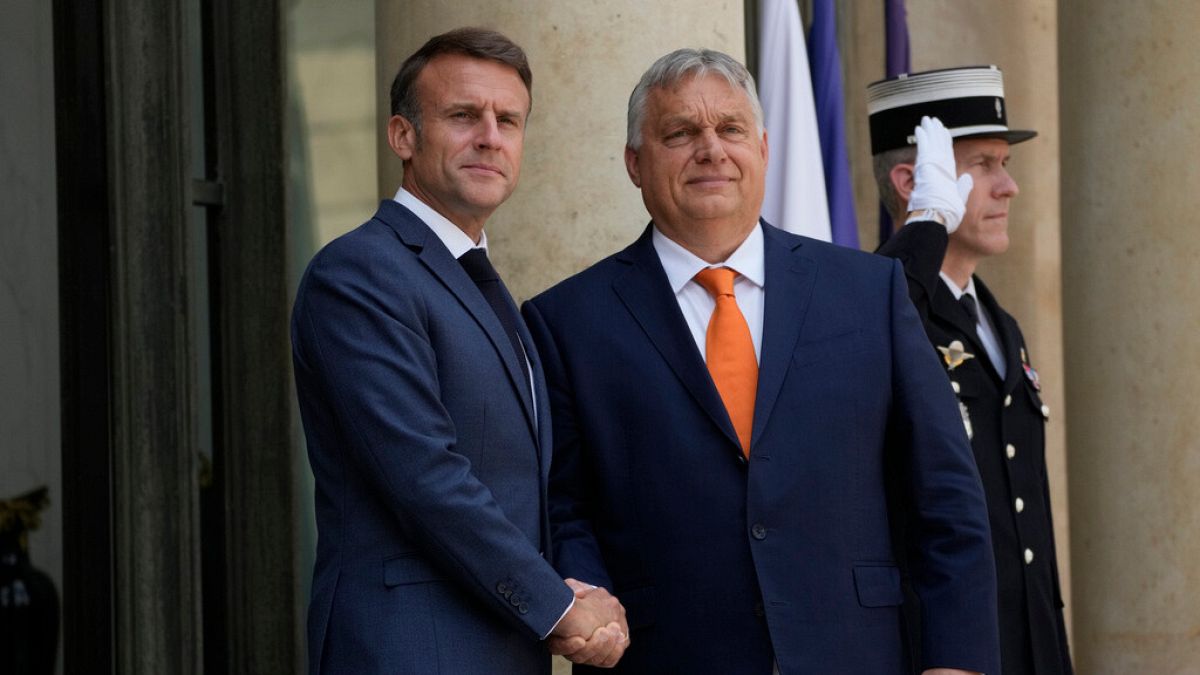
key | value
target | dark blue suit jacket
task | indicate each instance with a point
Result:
(724, 565)
(430, 464)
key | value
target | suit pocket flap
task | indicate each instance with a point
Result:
(878, 586)
(408, 569)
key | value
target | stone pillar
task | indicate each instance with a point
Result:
(1019, 37)
(574, 204)
(1130, 242)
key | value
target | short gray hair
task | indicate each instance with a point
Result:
(882, 165)
(682, 64)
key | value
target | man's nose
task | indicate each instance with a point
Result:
(709, 147)
(1007, 185)
(488, 130)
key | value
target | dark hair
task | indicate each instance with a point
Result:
(479, 43)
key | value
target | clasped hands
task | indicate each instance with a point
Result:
(594, 632)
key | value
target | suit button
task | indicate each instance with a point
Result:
(1028, 556)
(1007, 401)
(1045, 412)
(514, 601)
(1020, 504)
(759, 611)
(1010, 451)
(758, 531)
(523, 608)
(502, 589)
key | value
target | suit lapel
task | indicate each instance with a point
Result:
(790, 278)
(647, 295)
(437, 259)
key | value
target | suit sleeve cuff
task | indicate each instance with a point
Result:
(564, 615)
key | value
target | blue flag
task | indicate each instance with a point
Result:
(824, 62)
(895, 22)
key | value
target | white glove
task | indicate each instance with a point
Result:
(935, 187)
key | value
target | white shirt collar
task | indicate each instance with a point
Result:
(681, 264)
(959, 292)
(455, 239)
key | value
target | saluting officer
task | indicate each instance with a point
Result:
(940, 141)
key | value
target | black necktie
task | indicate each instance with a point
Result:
(968, 302)
(479, 268)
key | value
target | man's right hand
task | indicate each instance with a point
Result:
(936, 186)
(594, 632)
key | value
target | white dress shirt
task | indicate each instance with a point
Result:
(454, 238)
(681, 265)
(984, 326)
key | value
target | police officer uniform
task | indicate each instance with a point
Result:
(1000, 404)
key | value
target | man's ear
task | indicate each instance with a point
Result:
(402, 137)
(631, 166)
(902, 179)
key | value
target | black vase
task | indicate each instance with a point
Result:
(28, 611)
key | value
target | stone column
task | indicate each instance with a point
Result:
(574, 204)
(1131, 138)
(1019, 37)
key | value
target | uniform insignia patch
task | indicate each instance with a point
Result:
(1030, 373)
(954, 354)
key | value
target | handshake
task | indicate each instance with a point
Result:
(594, 631)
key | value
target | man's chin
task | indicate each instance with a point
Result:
(487, 198)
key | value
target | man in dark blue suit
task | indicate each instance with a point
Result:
(425, 406)
(735, 410)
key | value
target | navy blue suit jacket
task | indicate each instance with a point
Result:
(429, 460)
(725, 565)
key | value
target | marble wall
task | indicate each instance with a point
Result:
(1131, 238)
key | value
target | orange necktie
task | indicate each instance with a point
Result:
(729, 351)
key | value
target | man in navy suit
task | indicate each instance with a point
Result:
(425, 406)
(754, 537)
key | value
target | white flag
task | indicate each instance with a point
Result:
(795, 197)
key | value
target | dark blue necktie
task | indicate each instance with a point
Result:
(968, 302)
(479, 268)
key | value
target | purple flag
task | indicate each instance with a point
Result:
(895, 21)
(899, 60)
(825, 65)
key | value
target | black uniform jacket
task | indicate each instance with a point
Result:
(1006, 422)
